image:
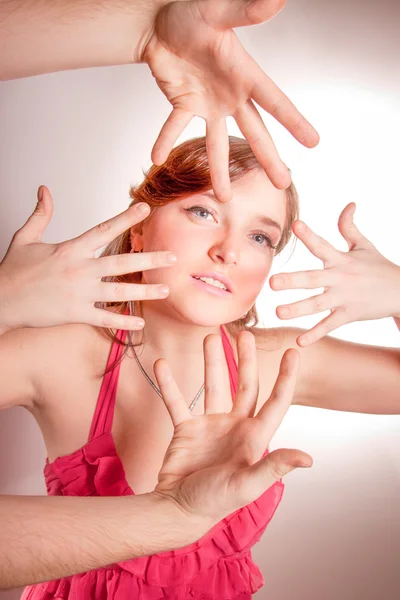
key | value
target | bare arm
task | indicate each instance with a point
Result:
(340, 375)
(45, 538)
(42, 36)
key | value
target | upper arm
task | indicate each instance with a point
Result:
(340, 375)
(17, 357)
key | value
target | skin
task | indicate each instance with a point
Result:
(176, 327)
(59, 381)
(192, 51)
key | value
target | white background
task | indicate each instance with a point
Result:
(88, 134)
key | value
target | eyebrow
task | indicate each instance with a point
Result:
(260, 217)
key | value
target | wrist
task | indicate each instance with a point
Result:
(143, 42)
(170, 525)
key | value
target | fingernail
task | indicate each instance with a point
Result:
(139, 324)
(162, 291)
(303, 340)
(171, 259)
(283, 311)
(277, 281)
(40, 194)
(142, 209)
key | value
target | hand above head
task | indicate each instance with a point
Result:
(214, 464)
(42, 285)
(359, 285)
(203, 69)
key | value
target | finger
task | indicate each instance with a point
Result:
(336, 319)
(177, 121)
(268, 95)
(302, 280)
(111, 320)
(248, 383)
(125, 292)
(238, 13)
(35, 226)
(121, 264)
(217, 143)
(309, 306)
(251, 482)
(316, 244)
(252, 127)
(348, 229)
(214, 373)
(273, 411)
(171, 394)
(105, 232)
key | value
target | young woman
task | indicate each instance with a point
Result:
(97, 401)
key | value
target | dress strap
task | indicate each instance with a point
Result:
(104, 413)
(230, 359)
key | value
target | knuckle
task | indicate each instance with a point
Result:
(318, 303)
(117, 292)
(103, 227)
(106, 321)
(62, 251)
(120, 262)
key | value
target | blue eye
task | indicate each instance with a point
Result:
(194, 209)
(265, 238)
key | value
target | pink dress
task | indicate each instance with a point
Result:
(218, 566)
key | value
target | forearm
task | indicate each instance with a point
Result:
(42, 36)
(45, 538)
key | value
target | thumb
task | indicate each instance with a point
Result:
(35, 226)
(253, 481)
(349, 230)
(238, 13)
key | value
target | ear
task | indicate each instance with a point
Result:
(136, 241)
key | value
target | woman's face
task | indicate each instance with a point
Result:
(234, 240)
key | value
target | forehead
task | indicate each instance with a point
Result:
(255, 193)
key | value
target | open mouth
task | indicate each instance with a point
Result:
(211, 285)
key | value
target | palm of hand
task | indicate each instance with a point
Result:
(207, 449)
(201, 70)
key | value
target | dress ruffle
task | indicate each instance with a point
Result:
(218, 566)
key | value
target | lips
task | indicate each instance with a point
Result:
(218, 276)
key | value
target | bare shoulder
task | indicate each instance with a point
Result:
(45, 352)
(275, 339)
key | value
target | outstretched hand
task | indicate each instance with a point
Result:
(42, 285)
(203, 69)
(214, 464)
(359, 285)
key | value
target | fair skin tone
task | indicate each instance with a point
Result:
(230, 243)
(192, 51)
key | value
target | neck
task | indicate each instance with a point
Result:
(173, 338)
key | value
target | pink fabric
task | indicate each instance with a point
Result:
(217, 567)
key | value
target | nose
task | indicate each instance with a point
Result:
(225, 250)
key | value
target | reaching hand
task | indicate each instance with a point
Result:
(202, 68)
(42, 285)
(214, 464)
(359, 285)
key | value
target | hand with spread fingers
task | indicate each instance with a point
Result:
(215, 463)
(42, 285)
(359, 285)
(203, 69)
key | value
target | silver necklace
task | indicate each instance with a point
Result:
(157, 389)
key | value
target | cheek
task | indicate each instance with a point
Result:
(254, 276)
